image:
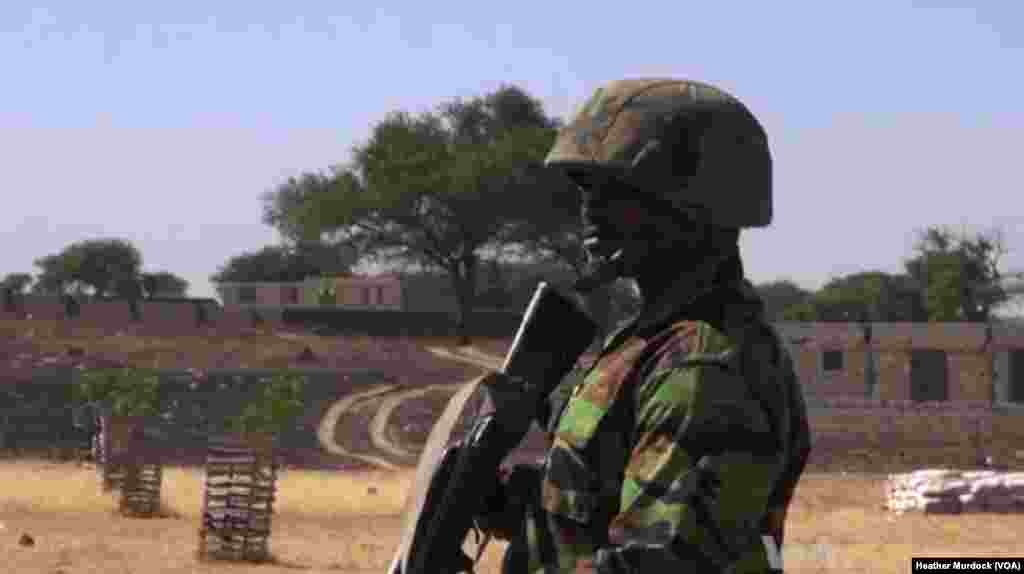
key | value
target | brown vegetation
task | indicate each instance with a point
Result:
(348, 522)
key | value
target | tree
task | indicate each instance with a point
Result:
(54, 277)
(277, 406)
(781, 296)
(288, 198)
(554, 234)
(128, 392)
(432, 190)
(101, 266)
(867, 296)
(18, 283)
(804, 312)
(495, 292)
(283, 263)
(958, 273)
(163, 283)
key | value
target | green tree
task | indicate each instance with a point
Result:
(292, 262)
(780, 296)
(801, 312)
(432, 190)
(866, 296)
(289, 197)
(128, 391)
(54, 277)
(104, 264)
(279, 403)
(163, 283)
(16, 282)
(869, 296)
(100, 266)
(959, 273)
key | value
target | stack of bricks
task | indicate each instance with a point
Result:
(943, 491)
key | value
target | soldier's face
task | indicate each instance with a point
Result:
(614, 215)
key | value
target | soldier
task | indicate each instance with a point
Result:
(679, 449)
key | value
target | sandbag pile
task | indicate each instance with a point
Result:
(947, 491)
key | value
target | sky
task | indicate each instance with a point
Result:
(163, 123)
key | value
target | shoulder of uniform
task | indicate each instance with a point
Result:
(687, 344)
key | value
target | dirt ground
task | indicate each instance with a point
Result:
(348, 522)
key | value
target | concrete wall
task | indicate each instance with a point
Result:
(958, 433)
(372, 292)
(40, 307)
(115, 314)
(259, 293)
(235, 318)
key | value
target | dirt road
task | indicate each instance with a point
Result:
(367, 416)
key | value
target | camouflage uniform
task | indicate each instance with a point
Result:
(683, 381)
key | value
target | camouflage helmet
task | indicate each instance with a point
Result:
(688, 143)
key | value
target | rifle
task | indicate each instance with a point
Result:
(454, 478)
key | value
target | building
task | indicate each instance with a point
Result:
(409, 292)
(917, 362)
(377, 292)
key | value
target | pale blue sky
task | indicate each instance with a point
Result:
(164, 125)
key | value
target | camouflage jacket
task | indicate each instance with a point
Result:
(707, 382)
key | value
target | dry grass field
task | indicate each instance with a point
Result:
(348, 522)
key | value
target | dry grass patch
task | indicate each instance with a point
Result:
(41, 487)
(325, 522)
(839, 524)
(330, 522)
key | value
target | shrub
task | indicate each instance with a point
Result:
(279, 403)
(128, 391)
